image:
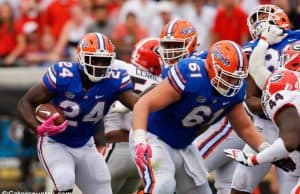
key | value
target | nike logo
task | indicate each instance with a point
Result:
(97, 97)
(46, 112)
(225, 103)
(291, 40)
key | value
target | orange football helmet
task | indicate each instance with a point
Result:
(271, 14)
(95, 56)
(282, 79)
(290, 57)
(178, 39)
(145, 55)
(226, 65)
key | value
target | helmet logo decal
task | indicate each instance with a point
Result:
(84, 44)
(219, 55)
(188, 30)
(296, 47)
(276, 77)
(156, 51)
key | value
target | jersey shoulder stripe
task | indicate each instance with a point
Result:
(175, 80)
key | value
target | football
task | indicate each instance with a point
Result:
(44, 111)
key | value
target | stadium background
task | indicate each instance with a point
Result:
(36, 33)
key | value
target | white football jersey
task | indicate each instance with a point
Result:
(115, 120)
(275, 104)
(281, 99)
(141, 79)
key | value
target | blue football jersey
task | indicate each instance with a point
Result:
(83, 109)
(196, 54)
(200, 104)
(274, 51)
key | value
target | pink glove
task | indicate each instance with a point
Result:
(48, 127)
(143, 153)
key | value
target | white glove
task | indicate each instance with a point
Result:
(118, 107)
(273, 34)
(241, 157)
(262, 26)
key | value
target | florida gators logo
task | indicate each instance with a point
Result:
(219, 55)
(188, 30)
(84, 44)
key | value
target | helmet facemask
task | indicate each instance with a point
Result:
(264, 101)
(226, 83)
(96, 65)
(173, 49)
(264, 16)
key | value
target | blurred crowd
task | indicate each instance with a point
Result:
(40, 32)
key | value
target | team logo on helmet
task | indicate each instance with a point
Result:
(219, 55)
(296, 47)
(188, 30)
(276, 77)
(85, 44)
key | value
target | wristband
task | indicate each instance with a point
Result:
(139, 136)
(263, 146)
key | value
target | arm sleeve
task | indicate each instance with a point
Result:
(274, 152)
(257, 68)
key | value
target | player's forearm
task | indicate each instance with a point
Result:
(254, 104)
(28, 115)
(273, 153)
(140, 117)
(257, 68)
(253, 138)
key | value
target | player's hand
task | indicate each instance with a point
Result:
(48, 127)
(273, 34)
(143, 153)
(241, 157)
(286, 164)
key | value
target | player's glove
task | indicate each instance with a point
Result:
(143, 153)
(273, 34)
(241, 157)
(118, 107)
(48, 127)
(286, 164)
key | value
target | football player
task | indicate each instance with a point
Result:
(144, 72)
(280, 102)
(196, 94)
(270, 24)
(178, 40)
(84, 90)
